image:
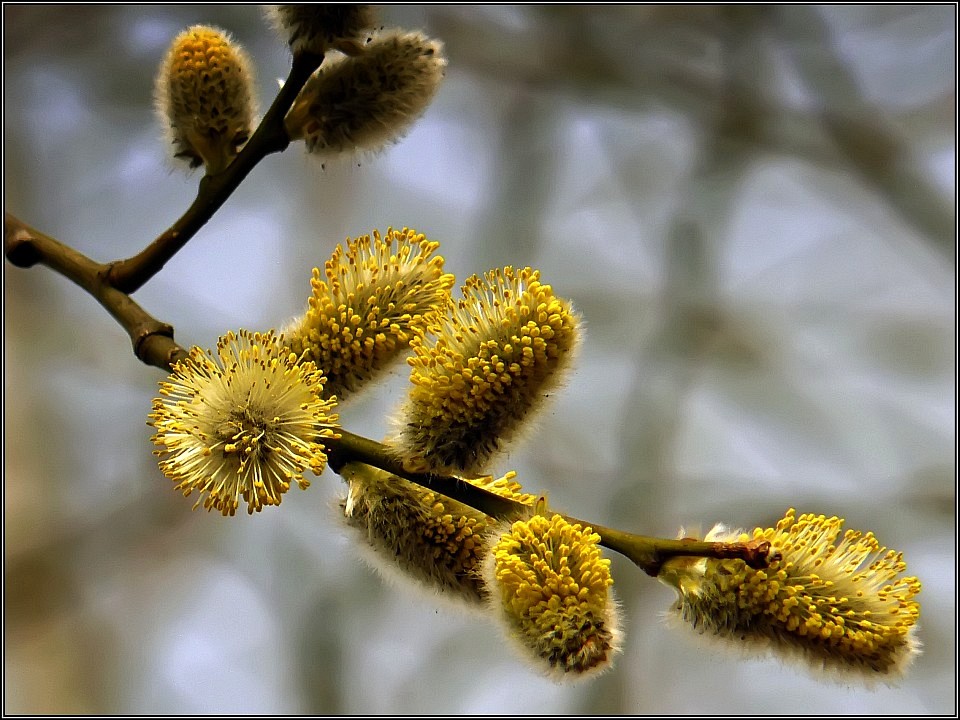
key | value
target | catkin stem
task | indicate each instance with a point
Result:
(647, 553)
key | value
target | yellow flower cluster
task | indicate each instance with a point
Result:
(204, 97)
(841, 605)
(492, 363)
(553, 591)
(379, 295)
(242, 424)
(430, 538)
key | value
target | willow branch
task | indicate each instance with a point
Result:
(270, 137)
(354, 448)
(154, 345)
(152, 340)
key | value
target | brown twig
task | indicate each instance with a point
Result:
(152, 340)
(111, 283)
(270, 137)
(649, 553)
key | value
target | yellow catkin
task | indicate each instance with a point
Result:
(362, 102)
(495, 358)
(838, 601)
(241, 424)
(378, 296)
(204, 97)
(552, 590)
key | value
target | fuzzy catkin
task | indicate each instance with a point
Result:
(375, 297)
(360, 103)
(505, 345)
(835, 601)
(418, 535)
(204, 97)
(317, 28)
(243, 423)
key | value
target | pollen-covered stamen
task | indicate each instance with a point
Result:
(551, 588)
(378, 295)
(839, 602)
(242, 425)
(204, 97)
(494, 359)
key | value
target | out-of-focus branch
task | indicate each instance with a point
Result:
(868, 142)
(270, 137)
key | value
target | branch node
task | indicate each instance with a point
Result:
(145, 332)
(153, 344)
(18, 246)
(757, 554)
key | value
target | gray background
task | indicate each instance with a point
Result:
(752, 210)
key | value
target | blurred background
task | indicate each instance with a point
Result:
(752, 208)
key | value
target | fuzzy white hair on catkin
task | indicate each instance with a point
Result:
(384, 564)
(370, 112)
(789, 655)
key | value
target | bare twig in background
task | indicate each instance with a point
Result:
(868, 142)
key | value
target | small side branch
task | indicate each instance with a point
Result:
(649, 554)
(270, 137)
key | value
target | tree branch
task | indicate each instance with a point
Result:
(647, 553)
(152, 340)
(270, 136)
(354, 448)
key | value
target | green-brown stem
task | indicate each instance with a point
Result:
(354, 448)
(647, 553)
